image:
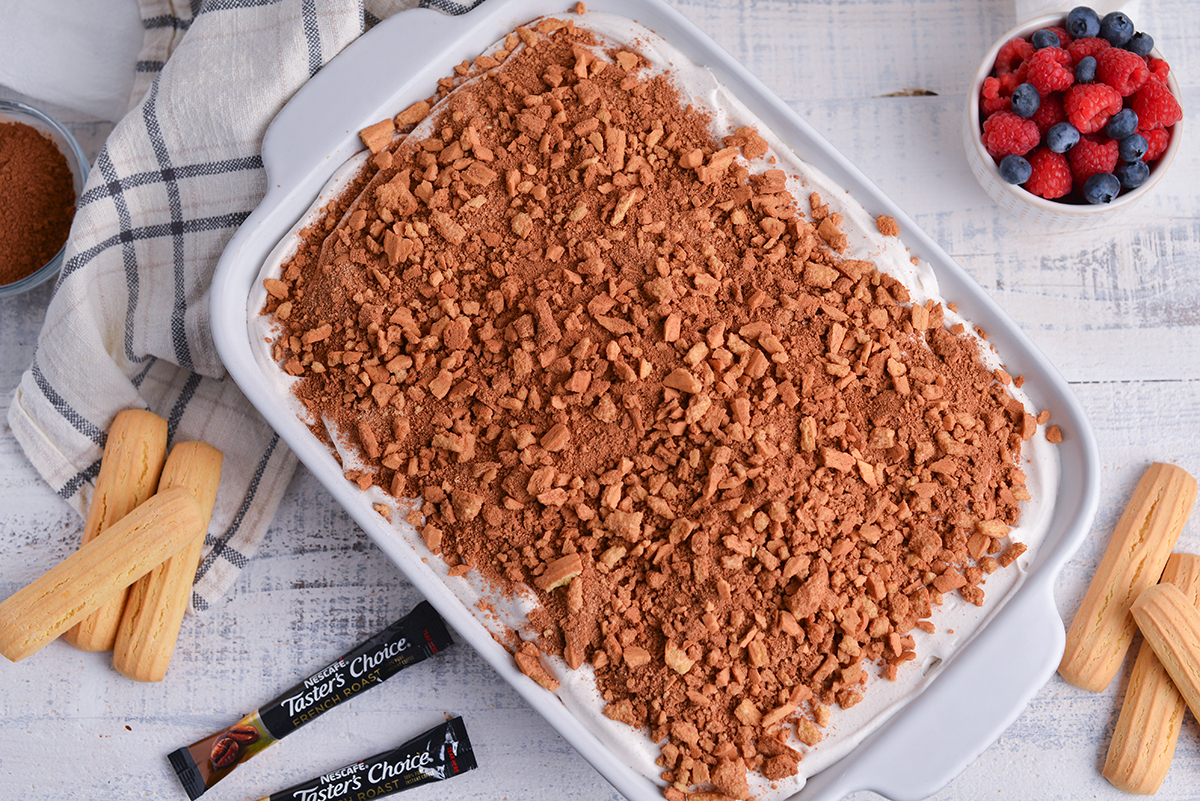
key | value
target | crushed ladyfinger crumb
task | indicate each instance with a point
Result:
(887, 225)
(378, 136)
(621, 368)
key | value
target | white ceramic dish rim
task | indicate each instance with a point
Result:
(929, 741)
(1082, 213)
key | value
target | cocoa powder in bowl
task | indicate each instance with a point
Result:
(623, 366)
(38, 201)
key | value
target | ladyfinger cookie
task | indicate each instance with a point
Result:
(1143, 743)
(129, 470)
(156, 603)
(102, 568)
(1102, 630)
(1170, 622)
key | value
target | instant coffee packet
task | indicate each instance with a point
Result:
(413, 638)
(441, 753)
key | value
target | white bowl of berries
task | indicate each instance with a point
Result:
(1072, 118)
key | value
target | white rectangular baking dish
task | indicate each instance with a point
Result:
(930, 740)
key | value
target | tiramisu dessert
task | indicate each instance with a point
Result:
(686, 427)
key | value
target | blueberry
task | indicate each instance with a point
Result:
(1101, 188)
(1133, 174)
(1133, 147)
(1116, 29)
(1062, 137)
(1121, 124)
(1141, 44)
(1015, 169)
(1045, 38)
(1085, 70)
(1025, 100)
(1083, 22)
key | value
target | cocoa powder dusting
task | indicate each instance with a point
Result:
(37, 204)
(621, 366)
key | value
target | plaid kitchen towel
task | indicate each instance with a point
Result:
(128, 325)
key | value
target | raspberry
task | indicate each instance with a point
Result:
(1051, 176)
(1049, 113)
(1005, 133)
(1050, 70)
(1157, 140)
(1089, 106)
(1093, 154)
(1009, 81)
(990, 100)
(1155, 106)
(1011, 54)
(1121, 70)
(1086, 47)
(1159, 68)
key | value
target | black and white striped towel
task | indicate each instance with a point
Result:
(128, 324)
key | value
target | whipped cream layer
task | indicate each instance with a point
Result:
(956, 621)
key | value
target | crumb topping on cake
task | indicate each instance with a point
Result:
(623, 366)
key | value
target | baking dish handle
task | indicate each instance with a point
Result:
(312, 129)
(921, 749)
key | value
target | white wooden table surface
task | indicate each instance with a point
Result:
(1116, 309)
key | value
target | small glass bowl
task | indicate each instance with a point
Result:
(13, 111)
(1026, 205)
